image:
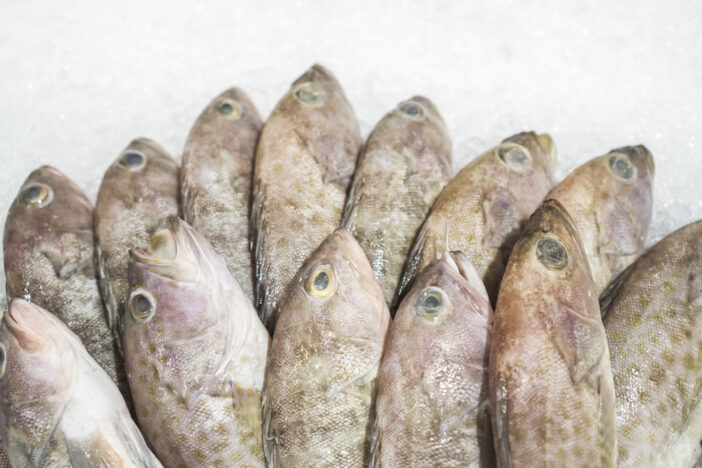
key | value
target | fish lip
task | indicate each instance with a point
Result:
(549, 148)
(20, 327)
(356, 259)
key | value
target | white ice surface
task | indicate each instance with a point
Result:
(78, 81)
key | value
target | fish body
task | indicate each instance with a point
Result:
(432, 402)
(653, 320)
(482, 210)
(215, 179)
(304, 161)
(551, 388)
(138, 193)
(195, 352)
(58, 408)
(403, 166)
(50, 261)
(324, 358)
(610, 199)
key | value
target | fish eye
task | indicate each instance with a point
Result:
(430, 305)
(228, 108)
(552, 254)
(514, 156)
(306, 94)
(321, 283)
(37, 195)
(3, 358)
(142, 306)
(412, 110)
(621, 167)
(132, 160)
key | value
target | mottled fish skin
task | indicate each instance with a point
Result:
(195, 352)
(58, 408)
(215, 179)
(654, 329)
(482, 210)
(324, 358)
(304, 161)
(610, 199)
(50, 261)
(551, 388)
(137, 195)
(431, 408)
(405, 163)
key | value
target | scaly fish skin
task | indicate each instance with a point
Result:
(137, 195)
(195, 352)
(58, 408)
(405, 163)
(215, 179)
(653, 319)
(431, 408)
(551, 388)
(483, 209)
(304, 161)
(50, 261)
(610, 199)
(324, 358)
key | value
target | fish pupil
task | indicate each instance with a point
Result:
(412, 109)
(142, 304)
(133, 159)
(321, 281)
(552, 254)
(33, 193)
(431, 304)
(225, 108)
(621, 167)
(515, 157)
(306, 96)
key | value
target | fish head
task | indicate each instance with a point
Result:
(527, 151)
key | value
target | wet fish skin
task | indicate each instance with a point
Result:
(58, 408)
(482, 210)
(215, 179)
(611, 214)
(653, 322)
(50, 261)
(133, 202)
(403, 166)
(304, 161)
(551, 388)
(432, 402)
(195, 352)
(323, 362)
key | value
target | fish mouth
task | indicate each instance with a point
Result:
(549, 147)
(463, 266)
(24, 321)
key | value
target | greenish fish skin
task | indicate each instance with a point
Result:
(551, 388)
(58, 408)
(195, 352)
(653, 320)
(215, 179)
(403, 166)
(323, 362)
(50, 261)
(432, 402)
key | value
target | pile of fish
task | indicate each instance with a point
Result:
(293, 297)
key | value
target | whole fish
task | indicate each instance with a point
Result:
(403, 166)
(58, 408)
(215, 179)
(50, 261)
(195, 352)
(137, 195)
(482, 210)
(653, 320)
(304, 161)
(321, 370)
(609, 199)
(431, 408)
(551, 389)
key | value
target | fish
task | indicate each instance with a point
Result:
(50, 260)
(550, 382)
(482, 210)
(138, 193)
(322, 366)
(403, 166)
(305, 158)
(215, 179)
(432, 400)
(195, 352)
(58, 408)
(653, 321)
(610, 200)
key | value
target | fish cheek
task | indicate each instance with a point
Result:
(501, 219)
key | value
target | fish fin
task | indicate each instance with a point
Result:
(502, 449)
(374, 444)
(612, 289)
(411, 264)
(502, 220)
(257, 240)
(269, 439)
(108, 298)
